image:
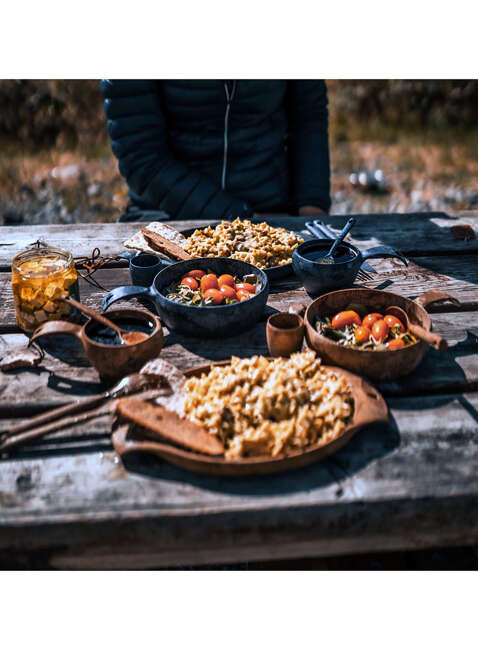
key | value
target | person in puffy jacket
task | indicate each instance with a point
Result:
(220, 149)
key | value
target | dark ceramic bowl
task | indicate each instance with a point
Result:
(320, 278)
(144, 267)
(208, 321)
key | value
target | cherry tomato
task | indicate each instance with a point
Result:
(242, 294)
(396, 344)
(246, 286)
(362, 334)
(228, 292)
(380, 331)
(190, 282)
(344, 318)
(196, 274)
(208, 281)
(214, 296)
(393, 321)
(225, 279)
(370, 319)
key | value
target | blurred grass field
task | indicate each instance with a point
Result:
(56, 165)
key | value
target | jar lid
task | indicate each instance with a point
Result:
(40, 262)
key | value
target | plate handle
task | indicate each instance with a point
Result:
(122, 445)
(435, 296)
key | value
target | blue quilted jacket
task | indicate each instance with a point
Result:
(217, 149)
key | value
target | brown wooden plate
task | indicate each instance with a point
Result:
(369, 408)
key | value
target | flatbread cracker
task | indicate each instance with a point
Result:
(160, 421)
(165, 246)
(139, 243)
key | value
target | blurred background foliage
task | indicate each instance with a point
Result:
(64, 113)
(57, 166)
(51, 113)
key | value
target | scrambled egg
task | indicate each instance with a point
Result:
(256, 243)
(262, 407)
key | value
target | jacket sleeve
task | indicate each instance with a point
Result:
(309, 143)
(138, 134)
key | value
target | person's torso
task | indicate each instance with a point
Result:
(234, 132)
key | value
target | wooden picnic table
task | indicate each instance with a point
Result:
(413, 484)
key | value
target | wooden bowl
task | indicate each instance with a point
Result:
(369, 407)
(111, 361)
(376, 365)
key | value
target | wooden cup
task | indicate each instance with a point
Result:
(285, 334)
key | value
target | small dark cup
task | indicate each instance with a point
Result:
(285, 334)
(144, 268)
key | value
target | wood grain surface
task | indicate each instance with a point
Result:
(411, 484)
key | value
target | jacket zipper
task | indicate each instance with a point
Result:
(229, 98)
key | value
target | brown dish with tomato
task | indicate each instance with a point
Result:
(198, 288)
(377, 362)
(363, 329)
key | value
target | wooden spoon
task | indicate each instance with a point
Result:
(126, 336)
(432, 339)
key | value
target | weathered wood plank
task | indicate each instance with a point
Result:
(417, 232)
(420, 475)
(425, 233)
(65, 372)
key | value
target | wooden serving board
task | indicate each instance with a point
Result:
(369, 408)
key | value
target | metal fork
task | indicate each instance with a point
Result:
(364, 276)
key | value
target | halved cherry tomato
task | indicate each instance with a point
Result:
(344, 318)
(208, 281)
(380, 331)
(190, 282)
(228, 292)
(196, 274)
(393, 321)
(246, 286)
(362, 334)
(225, 279)
(242, 294)
(396, 344)
(370, 319)
(214, 296)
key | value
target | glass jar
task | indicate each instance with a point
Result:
(40, 277)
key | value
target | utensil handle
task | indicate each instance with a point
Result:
(54, 414)
(435, 340)
(320, 225)
(10, 442)
(123, 446)
(125, 293)
(55, 327)
(348, 226)
(383, 252)
(316, 230)
(92, 314)
(436, 296)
